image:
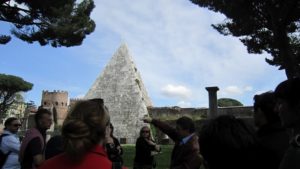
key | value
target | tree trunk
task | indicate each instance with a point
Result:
(289, 59)
(279, 21)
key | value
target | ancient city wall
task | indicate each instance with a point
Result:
(199, 115)
(171, 113)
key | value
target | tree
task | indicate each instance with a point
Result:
(228, 102)
(19, 97)
(9, 87)
(55, 22)
(16, 108)
(270, 26)
(30, 107)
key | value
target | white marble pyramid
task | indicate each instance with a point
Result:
(123, 91)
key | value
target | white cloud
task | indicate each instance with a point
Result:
(176, 91)
(184, 104)
(248, 88)
(236, 90)
(233, 90)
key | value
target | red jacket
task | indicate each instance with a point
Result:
(94, 159)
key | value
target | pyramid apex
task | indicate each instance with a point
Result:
(123, 46)
(122, 89)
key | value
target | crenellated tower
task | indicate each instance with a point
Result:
(57, 102)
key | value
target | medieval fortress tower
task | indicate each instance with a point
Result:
(57, 103)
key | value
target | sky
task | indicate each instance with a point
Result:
(172, 43)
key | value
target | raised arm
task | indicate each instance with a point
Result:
(164, 127)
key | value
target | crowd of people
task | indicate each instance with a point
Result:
(87, 138)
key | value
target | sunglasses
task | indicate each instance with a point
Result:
(145, 131)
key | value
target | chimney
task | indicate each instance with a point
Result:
(213, 103)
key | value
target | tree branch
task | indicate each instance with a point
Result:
(18, 16)
(16, 22)
(15, 8)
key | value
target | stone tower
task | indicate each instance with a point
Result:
(57, 102)
(123, 91)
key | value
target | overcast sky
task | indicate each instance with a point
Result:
(173, 45)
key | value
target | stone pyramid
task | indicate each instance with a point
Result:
(123, 91)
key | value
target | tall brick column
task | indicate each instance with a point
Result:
(213, 103)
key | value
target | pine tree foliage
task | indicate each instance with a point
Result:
(271, 26)
(9, 87)
(49, 22)
(228, 102)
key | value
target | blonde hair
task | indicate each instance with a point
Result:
(150, 133)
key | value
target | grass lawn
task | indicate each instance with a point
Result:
(162, 160)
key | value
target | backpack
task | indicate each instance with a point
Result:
(3, 156)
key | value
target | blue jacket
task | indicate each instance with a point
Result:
(11, 143)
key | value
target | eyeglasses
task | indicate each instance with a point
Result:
(17, 125)
(145, 131)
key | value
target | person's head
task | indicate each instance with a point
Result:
(287, 94)
(43, 119)
(264, 109)
(145, 132)
(185, 126)
(225, 142)
(12, 124)
(84, 127)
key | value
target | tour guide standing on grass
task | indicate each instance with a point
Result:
(185, 153)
